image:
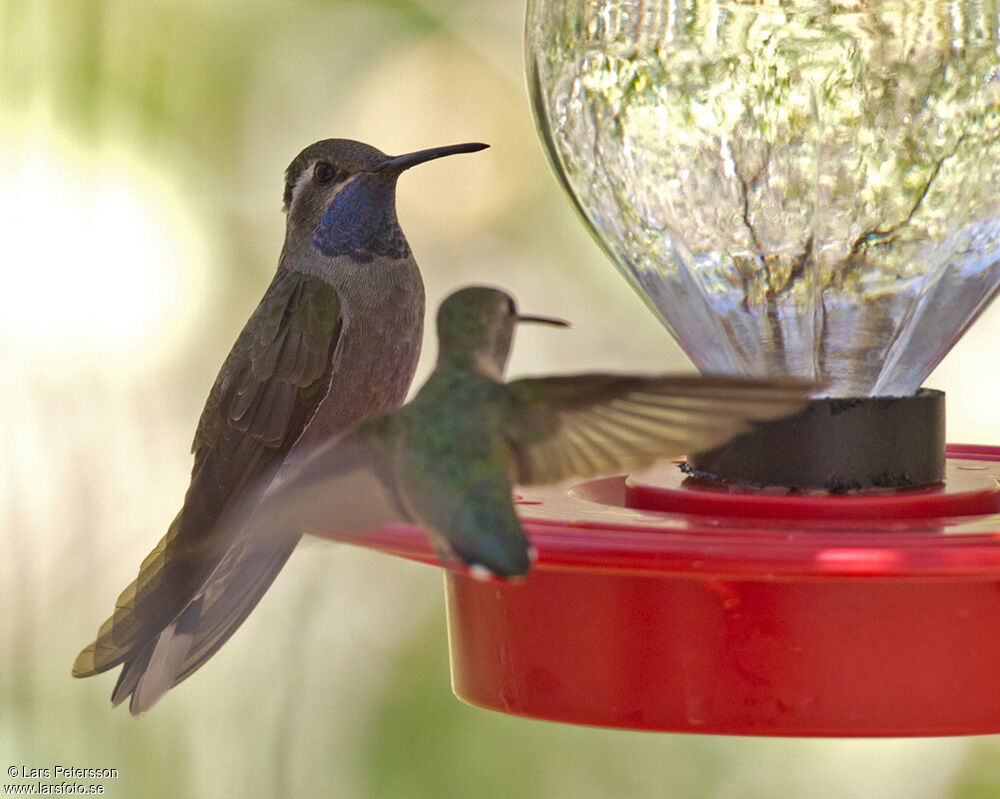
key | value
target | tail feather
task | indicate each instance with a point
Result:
(166, 660)
(144, 608)
(205, 624)
(224, 615)
(130, 675)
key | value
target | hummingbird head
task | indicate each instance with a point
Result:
(342, 194)
(475, 327)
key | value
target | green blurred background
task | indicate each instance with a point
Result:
(142, 146)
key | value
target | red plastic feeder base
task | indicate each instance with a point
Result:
(661, 604)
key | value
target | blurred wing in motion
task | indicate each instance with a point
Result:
(337, 489)
(583, 425)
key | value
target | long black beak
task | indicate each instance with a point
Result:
(543, 320)
(400, 162)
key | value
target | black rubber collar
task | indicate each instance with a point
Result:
(842, 444)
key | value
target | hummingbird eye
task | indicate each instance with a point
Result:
(324, 172)
(511, 307)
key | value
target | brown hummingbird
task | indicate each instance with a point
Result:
(335, 339)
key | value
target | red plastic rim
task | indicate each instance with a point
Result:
(949, 532)
(746, 614)
(970, 490)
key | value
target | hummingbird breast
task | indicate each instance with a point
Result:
(382, 305)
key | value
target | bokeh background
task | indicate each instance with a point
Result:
(142, 145)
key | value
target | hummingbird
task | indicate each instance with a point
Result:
(335, 339)
(449, 459)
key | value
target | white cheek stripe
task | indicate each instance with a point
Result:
(306, 176)
(303, 177)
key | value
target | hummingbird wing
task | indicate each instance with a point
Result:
(334, 490)
(267, 391)
(582, 425)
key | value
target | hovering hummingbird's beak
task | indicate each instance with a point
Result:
(400, 162)
(543, 320)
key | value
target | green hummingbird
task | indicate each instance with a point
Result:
(449, 458)
(335, 339)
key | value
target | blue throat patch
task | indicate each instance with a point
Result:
(361, 221)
